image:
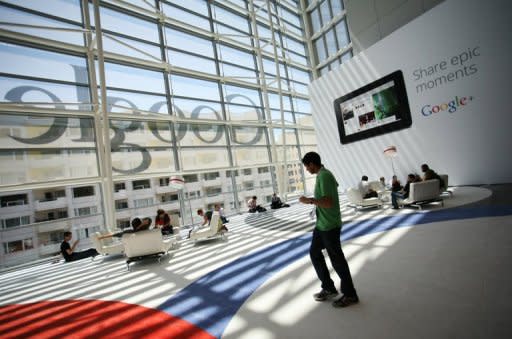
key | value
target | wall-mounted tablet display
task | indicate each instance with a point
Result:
(377, 108)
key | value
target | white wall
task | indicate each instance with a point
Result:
(371, 20)
(473, 144)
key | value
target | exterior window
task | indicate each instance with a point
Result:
(121, 204)
(18, 245)
(169, 197)
(141, 184)
(85, 191)
(211, 176)
(120, 186)
(17, 221)
(247, 171)
(213, 191)
(79, 212)
(143, 202)
(13, 200)
(190, 178)
(124, 223)
(164, 182)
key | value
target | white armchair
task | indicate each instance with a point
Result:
(107, 246)
(145, 244)
(356, 200)
(213, 231)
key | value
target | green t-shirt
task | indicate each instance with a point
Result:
(327, 186)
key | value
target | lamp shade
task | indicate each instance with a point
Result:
(177, 182)
(390, 151)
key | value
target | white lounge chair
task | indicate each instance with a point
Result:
(107, 246)
(212, 232)
(356, 200)
(145, 244)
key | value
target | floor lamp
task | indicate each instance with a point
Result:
(391, 152)
(178, 183)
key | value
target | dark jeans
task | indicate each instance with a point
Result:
(395, 196)
(91, 252)
(330, 240)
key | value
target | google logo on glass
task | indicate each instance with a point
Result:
(451, 106)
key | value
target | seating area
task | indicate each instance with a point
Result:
(420, 194)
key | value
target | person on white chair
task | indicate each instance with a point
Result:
(365, 189)
(207, 217)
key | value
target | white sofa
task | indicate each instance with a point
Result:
(421, 193)
(145, 244)
(356, 200)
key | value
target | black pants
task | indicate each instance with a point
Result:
(330, 240)
(91, 252)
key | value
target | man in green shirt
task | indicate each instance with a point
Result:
(327, 234)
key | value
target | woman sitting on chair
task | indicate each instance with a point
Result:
(163, 221)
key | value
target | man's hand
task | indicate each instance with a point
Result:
(304, 200)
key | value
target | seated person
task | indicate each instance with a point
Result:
(253, 205)
(221, 213)
(429, 174)
(403, 193)
(383, 185)
(163, 221)
(276, 202)
(365, 189)
(395, 184)
(137, 226)
(68, 251)
(207, 217)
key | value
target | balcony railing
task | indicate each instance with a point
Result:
(44, 204)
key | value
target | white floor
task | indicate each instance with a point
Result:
(445, 279)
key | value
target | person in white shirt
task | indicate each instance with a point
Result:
(365, 189)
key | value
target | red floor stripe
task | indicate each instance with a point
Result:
(92, 319)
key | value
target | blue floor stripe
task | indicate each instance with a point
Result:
(211, 301)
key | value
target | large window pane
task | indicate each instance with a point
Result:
(185, 17)
(11, 15)
(236, 56)
(204, 158)
(194, 88)
(325, 12)
(188, 42)
(198, 6)
(192, 62)
(330, 40)
(254, 155)
(342, 34)
(126, 24)
(196, 109)
(36, 63)
(200, 135)
(130, 102)
(67, 9)
(41, 149)
(320, 49)
(240, 95)
(248, 135)
(229, 18)
(245, 113)
(119, 76)
(141, 147)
